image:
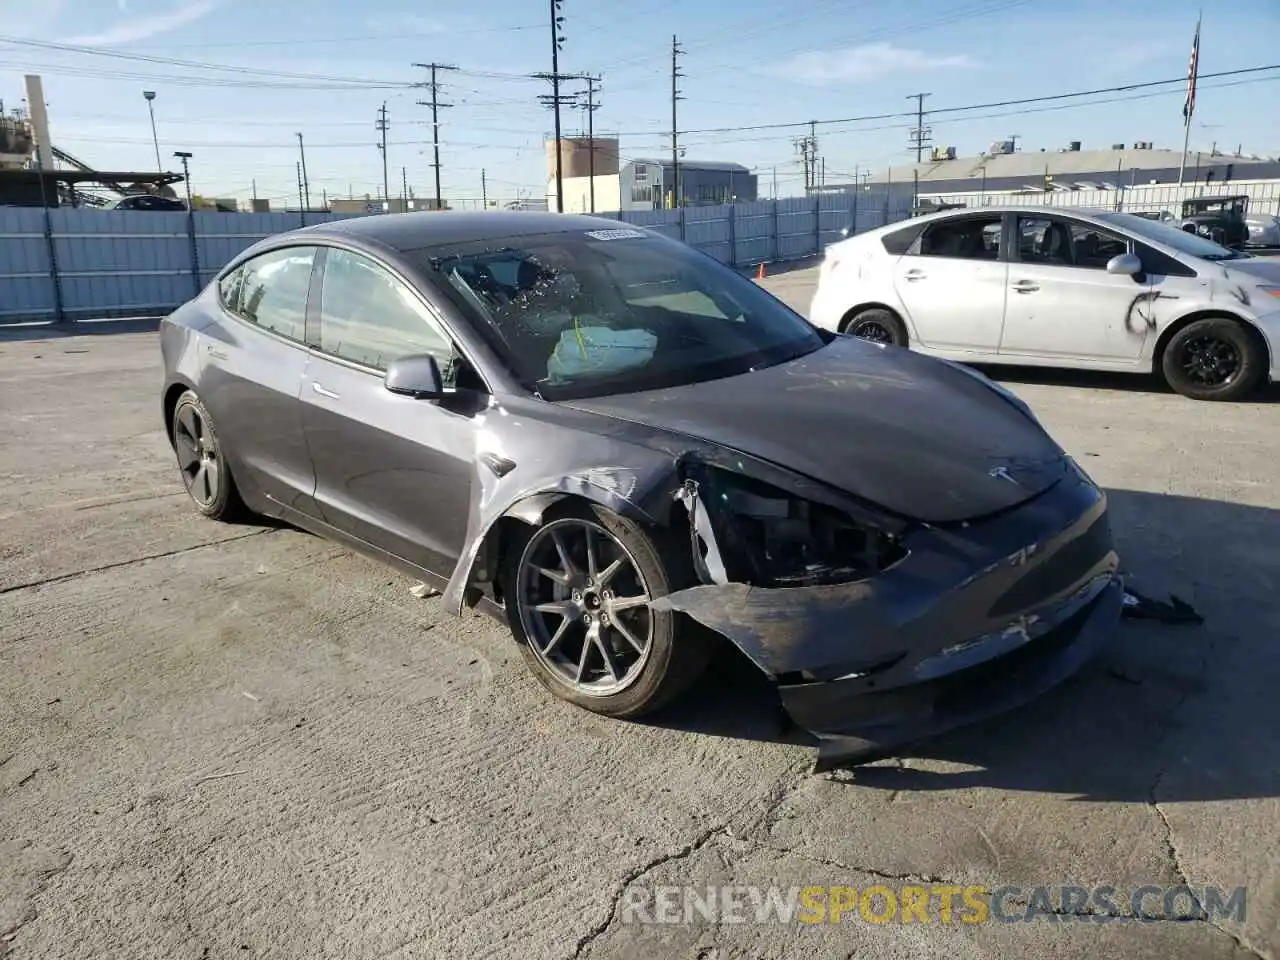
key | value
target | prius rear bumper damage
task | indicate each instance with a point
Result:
(864, 718)
(979, 618)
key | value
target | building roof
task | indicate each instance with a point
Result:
(1011, 170)
(697, 165)
(413, 231)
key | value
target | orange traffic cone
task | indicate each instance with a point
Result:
(760, 271)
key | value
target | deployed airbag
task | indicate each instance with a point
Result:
(599, 351)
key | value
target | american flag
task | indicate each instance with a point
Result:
(1193, 73)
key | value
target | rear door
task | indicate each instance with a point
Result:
(952, 283)
(253, 364)
(392, 471)
(1062, 302)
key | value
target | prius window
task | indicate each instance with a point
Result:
(968, 238)
(370, 317)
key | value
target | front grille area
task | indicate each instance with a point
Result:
(1066, 568)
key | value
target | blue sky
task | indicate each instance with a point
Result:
(746, 63)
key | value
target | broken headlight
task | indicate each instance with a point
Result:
(767, 537)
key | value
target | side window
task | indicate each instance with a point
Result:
(273, 291)
(1045, 241)
(967, 238)
(900, 241)
(369, 317)
(229, 289)
(1093, 246)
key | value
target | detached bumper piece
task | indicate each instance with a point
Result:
(866, 717)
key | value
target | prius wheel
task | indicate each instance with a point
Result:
(877, 325)
(578, 592)
(201, 460)
(1214, 359)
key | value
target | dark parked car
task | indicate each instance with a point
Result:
(595, 432)
(147, 201)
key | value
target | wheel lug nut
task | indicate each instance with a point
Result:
(586, 618)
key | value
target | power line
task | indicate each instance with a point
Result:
(436, 107)
(791, 124)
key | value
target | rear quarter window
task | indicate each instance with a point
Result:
(899, 241)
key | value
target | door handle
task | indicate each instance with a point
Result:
(914, 275)
(315, 385)
(1026, 286)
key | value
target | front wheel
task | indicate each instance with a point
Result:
(879, 326)
(578, 591)
(1214, 359)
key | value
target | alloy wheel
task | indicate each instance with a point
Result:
(1210, 361)
(584, 607)
(873, 330)
(197, 452)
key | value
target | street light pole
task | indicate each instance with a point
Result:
(150, 96)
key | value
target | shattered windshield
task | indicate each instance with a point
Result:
(589, 313)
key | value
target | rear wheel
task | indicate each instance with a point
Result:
(877, 325)
(201, 461)
(578, 591)
(1214, 359)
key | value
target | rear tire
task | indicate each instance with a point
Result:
(633, 682)
(877, 325)
(1216, 358)
(201, 461)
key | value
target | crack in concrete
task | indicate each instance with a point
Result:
(854, 868)
(635, 874)
(1175, 861)
(76, 574)
(773, 799)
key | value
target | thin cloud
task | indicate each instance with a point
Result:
(144, 28)
(821, 67)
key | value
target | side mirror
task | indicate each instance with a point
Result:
(416, 376)
(1125, 264)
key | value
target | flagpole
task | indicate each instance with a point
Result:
(1189, 105)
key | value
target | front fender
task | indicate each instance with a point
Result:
(524, 467)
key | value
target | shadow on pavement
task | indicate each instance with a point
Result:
(1189, 707)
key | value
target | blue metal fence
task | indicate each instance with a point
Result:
(85, 264)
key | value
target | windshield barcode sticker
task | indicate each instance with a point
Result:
(622, 234)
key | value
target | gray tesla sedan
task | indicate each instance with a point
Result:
(599, 434)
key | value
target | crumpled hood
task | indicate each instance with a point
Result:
(915, 435)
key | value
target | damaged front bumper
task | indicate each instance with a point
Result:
(979, 617)
(860, 719)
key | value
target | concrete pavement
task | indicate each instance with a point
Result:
(221, 741)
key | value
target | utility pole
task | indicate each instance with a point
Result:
(676, 50)
(920, 135)
(484, 189)
(590, 106)
(404, 187)
(306, 183)
(557, 42)
(807, 147)
(382, 125)
(436, 107)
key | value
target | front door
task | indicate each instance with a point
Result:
(392, 471)
(1062, 302)
(952, 283)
